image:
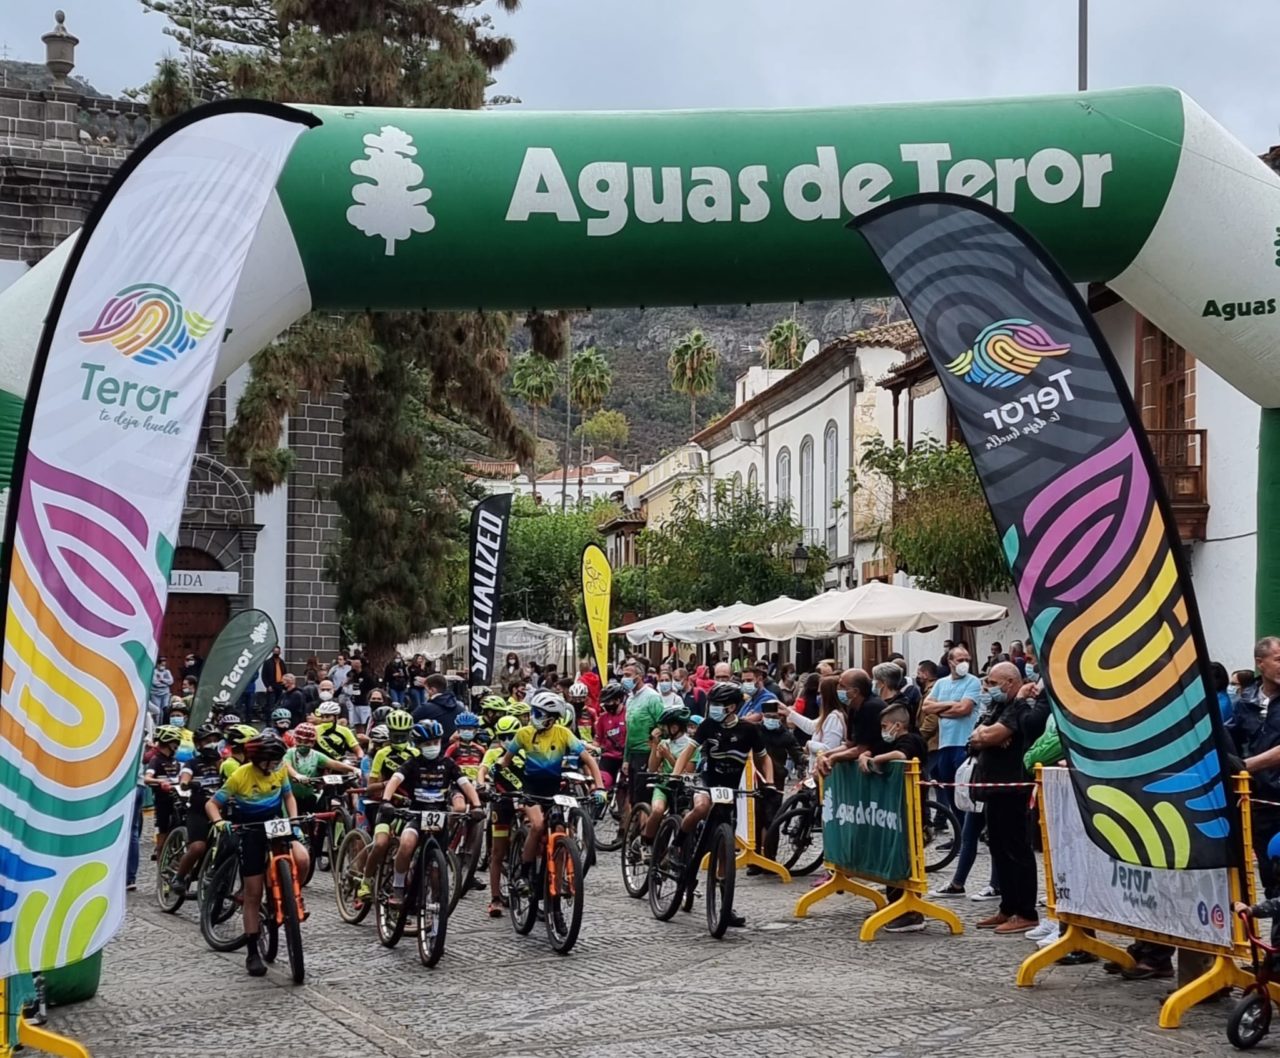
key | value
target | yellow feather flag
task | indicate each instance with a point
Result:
(597, 583)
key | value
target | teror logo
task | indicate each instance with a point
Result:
(1005, 353)
(147, 323)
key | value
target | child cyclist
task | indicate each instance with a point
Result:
(254, 793)
(667, 742)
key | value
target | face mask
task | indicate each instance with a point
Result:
(1233, 692)
(997, 695)
(748, 688)
(887, 734)
(326, 696)
(842, 696)
(771, 723)
(716, 712)
(664, 686)
(177, 721)
(629, 683)
(209, 752)
(430, 752)
(962, 668)
(1033, 674)
(466, 734)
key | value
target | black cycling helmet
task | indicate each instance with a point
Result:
(207, 731)
(674, 714)
(612, 692)
(727, 694)
(380, 715)
(268, 746)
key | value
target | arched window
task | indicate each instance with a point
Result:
(753, 481)
(831, 479)
(806, 484)
(735, 486)
(782, 479)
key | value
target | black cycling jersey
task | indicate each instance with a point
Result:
(725, 749)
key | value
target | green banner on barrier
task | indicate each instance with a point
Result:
(864, 822)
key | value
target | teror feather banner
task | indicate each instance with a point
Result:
(1082, 519)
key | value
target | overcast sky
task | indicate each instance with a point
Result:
(610, 54)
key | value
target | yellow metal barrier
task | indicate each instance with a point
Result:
(913, 888)
(748, 854)
(33, 1035)
(1222, 973)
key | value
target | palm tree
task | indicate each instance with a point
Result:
(533, 380)
(783, 347)
(590, 379)
(693, 365)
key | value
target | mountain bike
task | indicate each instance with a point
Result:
(464, 843)
(324, 839)
(347, 864)
(220, 893)
(171, 853)
(556, 878)
(282, 906)
(677, 856)
(794, 838)
(426, 886)
(581, 819)
(635, 867)
(606, 822)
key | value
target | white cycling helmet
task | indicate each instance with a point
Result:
(579, 690)
(329, 710)
(545, 708)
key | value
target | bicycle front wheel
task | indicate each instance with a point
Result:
(607, 823)
(433, 904)
(522, 905)
(390, 920)
(292, 922)
(174, 848)
(584, 833)
(564, 896)
(347, 875)
(635, 871)
(721, 872)
(220, 905)
(941, 834)
(796, 838)
(665, 888)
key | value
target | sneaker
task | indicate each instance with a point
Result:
(1145, 970)
(131, 887)
(365, 891)
(947, 891)
(754, 870)
(913, 922)
(736, 921)
(1077, 958)
(819, 880)
(253, 960)
(397, 896)
(986, 893)
(1048, 928)
(495, 908)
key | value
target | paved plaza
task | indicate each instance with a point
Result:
(632, 986)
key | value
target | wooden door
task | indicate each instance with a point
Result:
(191, 624)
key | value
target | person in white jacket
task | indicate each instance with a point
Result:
(827, 732)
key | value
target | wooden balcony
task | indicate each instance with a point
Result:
(1183, 459)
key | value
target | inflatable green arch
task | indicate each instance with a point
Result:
(237, 219)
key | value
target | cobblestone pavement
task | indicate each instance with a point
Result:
(632, 986)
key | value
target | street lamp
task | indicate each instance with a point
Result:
(799, 560)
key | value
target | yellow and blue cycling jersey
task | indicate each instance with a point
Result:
(544, 753)
(254, 795)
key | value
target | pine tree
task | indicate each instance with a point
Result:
(414, 382)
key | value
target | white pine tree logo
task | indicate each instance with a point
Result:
(393, 207)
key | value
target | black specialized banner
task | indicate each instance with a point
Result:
(1083, 520)
(489, 522)
(234, 660)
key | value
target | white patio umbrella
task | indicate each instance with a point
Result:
(693, 628)
(654, 628)
(874, 609)
(738, 619)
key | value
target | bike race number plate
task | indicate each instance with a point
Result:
(564, 800)
(277, 828)
(434, 819)
(722, 795)
(333, 780)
